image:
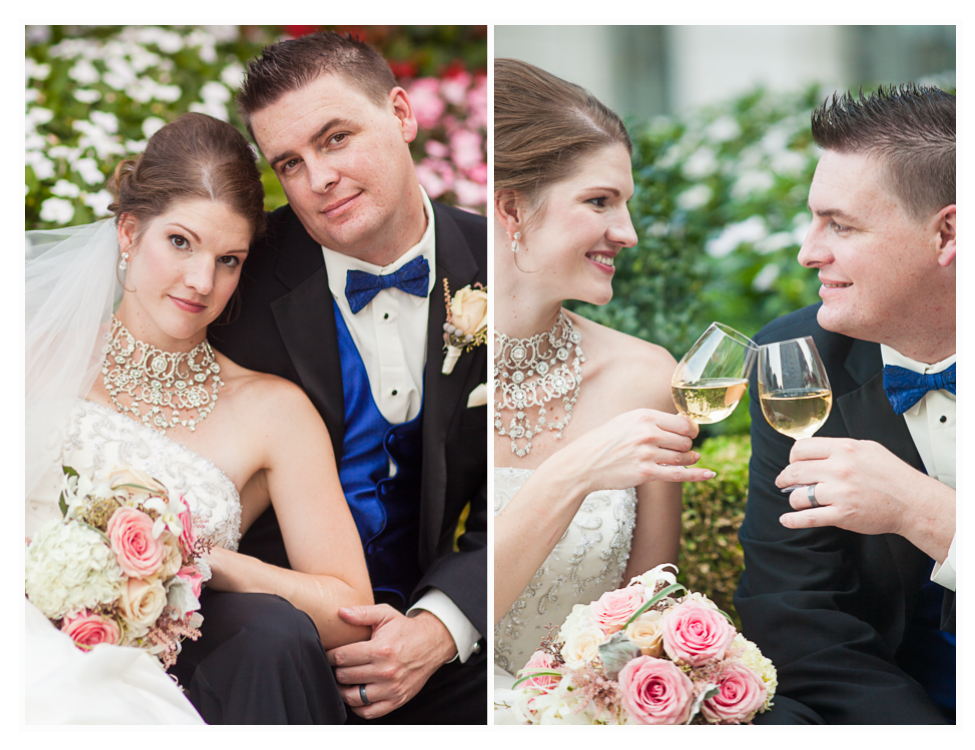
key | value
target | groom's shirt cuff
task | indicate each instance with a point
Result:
(440, 605)
(944, 573)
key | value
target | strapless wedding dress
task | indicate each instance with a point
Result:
(115, 684)
(587, 561)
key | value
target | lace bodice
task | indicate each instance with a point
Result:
(98, 439)
(587, 561)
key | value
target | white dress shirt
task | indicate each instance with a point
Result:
(932, 424)
(391, 336)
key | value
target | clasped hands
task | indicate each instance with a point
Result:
(394, 663)
(863, 487)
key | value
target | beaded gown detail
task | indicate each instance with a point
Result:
(587, 561)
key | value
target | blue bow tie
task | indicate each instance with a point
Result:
(361, 287)
(905, 387)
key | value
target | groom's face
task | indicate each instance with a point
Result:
(343, 161)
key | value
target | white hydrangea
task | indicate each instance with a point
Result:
(576, 621)
(88, 170)
(64, 189)
(70, 566)
(98, 202)
(233, 75)
(151, 125)
(84, 72)
(87, 96)
(753, 658)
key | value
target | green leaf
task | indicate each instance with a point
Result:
(534, 674)
(656, 598)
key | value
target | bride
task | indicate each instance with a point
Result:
(589, 452)
(186, 213)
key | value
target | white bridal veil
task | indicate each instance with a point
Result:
(71, 292)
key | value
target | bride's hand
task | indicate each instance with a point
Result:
(636, 447)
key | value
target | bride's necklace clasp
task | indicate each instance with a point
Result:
(156, 380)
(534, 372)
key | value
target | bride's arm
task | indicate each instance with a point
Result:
(630, 450)
(323, 546)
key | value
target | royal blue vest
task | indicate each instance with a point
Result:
(386, 509)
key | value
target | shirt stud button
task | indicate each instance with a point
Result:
(943, 419)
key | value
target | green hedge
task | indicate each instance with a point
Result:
(711, 559)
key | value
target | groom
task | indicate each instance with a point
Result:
(345, 297)
(849, 583)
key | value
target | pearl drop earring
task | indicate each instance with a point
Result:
(514, 243)
(123, 264)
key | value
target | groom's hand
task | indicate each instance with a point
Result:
(394, 663)
(862, 487)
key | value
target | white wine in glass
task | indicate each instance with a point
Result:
(712, 377)
(793, 388)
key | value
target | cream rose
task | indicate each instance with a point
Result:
(142, 602)
(646, 632)
(583, 647)
(172, 556)
(468, 310)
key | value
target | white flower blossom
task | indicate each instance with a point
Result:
(36, 71)
(105, 120)
(42, 166)
(88, 170)
(151, 125)
(789, 163)
(98, 202)
(750, 183)
(750, 230)
(31, 95)
(777, 241)
(233, 75)
(64, 189)
(212, 108)
(694, 197)
(701, 163)
(87, 96)
(84, 73)
(214, 92)
(38, 116)
(763, 279)
(57, 210)
(725, 128)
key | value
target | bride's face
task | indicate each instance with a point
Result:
(582, 224)
(182, 271)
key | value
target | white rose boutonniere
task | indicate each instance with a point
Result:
(466, 325)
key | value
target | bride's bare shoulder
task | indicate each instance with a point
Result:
(259, 394)
(637, 370)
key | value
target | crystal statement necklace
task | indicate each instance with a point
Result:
(156, 380)
(535, 372)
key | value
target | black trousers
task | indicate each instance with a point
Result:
(455, 694)
(259, 661)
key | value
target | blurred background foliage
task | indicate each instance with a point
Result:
(94, 95)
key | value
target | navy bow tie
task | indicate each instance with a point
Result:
(905, 387)
(361, 287)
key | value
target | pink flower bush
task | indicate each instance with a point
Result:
(742, 694)
(139, 555)
(611, 611)
(87, 629)
(655, 691)
(695, 633)
(540, 661)
(428, 107)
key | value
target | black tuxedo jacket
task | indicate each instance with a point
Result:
(830, 607)
(287, 327)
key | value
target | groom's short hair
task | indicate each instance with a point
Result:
(910, 128)
(287, 66)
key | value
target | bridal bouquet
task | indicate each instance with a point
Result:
(122, 567)
(644, 655)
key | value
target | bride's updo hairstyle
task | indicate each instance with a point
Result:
(195, 156)
(543, 128)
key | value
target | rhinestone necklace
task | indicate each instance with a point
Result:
(159, 380)
(534, 372)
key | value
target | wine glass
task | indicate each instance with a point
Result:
(793, 389)
(712, 377)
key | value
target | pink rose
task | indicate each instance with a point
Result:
(87, 629)
(192, 576)
(188, 538)
(742, 694)
(540, 662)
(696, 634)
(611, 611)
(655, 691)
(130, 533)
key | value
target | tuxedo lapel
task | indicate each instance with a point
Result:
(305, 316)
(442, 394)
(868, 415)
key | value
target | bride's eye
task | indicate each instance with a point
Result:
(231, 261)
(179, 241)
(599, 202)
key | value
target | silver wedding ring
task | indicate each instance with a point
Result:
(811, 495)
(362, 694)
